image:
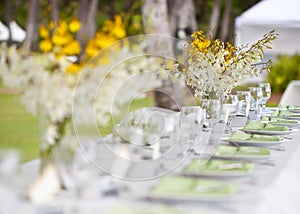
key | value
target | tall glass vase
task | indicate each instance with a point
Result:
(55, 141)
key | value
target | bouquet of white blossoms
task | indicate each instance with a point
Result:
(215, 67)
(47, 89)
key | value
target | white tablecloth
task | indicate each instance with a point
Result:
(278, 194)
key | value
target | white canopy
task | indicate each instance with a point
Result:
(281, 15)
(18, 34)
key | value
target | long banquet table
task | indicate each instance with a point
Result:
(276, 190)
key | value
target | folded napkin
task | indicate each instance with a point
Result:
(220, 166)
(285, 113)
(289, 107)
(254, 125)
(276, 120)
(140, 209)
(239, 136)
(186, 186)
(241, 151)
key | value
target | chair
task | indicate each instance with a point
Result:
(291, 96)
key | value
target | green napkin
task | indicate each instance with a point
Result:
(254, 125)
(186, 186)
(276, 120)
(131, 209)
(240, 136)
(241, 151)
(289, 107)
(220, 166)
(284, 113)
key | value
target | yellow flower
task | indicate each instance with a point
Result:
(72, 48)
(44, 32)
(119, 29)
(74, 25)
(51, 25)
(202, 46)
(61, 39)
(91, 49)
(62, 27)
(107, 26)
(73, 68)
(119, 32)
(103, 40)
(118, 20)
(46, 45)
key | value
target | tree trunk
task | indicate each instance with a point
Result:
(9, 19)
(82, 35)
(54, 12)
(182, 18)
(91, 22)
(183, 24)
(214, 21)
(30, 42)
(86, 16)
(226, 21)
(155, 19)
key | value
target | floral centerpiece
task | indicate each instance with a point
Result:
(215, 67)
(47, 80)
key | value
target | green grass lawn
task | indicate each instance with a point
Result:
(20, 130)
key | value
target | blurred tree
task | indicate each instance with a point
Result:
(182, 18)
(226, 21)
(9, 18)
(214, 20)
(168, 18)
(33, 16)
(91, 22)
(82, 35)
(156, 21)
(54, 12)
(87, 14)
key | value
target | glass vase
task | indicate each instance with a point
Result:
(56, 142)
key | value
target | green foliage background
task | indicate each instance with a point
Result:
(284, 70)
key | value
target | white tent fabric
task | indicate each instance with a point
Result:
(291, 95)
(283, 16)
(18, 34)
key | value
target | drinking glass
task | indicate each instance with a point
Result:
(191, 121)
(256, 94)
(266, 94)
(230, 108)
(244, 100)
(212, 112)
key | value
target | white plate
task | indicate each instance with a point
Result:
(266, 132)
(254, 143)
(291, 125)
(291, 117)
(294, 110)
(218, 174)
(242, 157)
(195, 198)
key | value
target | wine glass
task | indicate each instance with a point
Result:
(256, 94)
(244, 100)
(191, 121)
(266, 90)
(212, 112)
(230, 108)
